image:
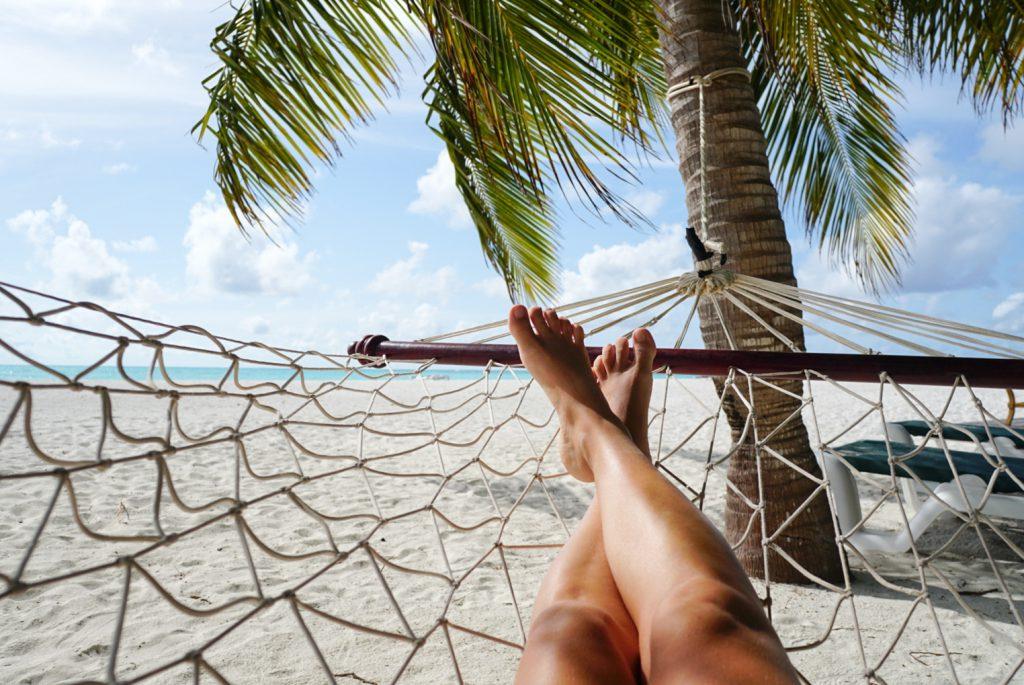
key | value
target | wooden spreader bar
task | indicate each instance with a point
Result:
(980, 372)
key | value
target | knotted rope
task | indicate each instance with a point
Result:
(380, 527)
(699, 83)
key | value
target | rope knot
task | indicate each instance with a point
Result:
(707, 254)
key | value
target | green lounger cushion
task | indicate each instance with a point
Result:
(870, 456)
(949, 432)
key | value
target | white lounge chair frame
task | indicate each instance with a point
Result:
(940, 498)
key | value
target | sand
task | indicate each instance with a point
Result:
(502, 485)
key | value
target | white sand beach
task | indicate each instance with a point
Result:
(487, 489)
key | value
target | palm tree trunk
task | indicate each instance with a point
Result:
(744, 215)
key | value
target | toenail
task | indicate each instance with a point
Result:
(519, 312)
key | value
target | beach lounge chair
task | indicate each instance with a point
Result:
(930, 465)
(1005, 442)
(963, 431)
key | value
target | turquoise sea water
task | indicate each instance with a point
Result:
(26, 372)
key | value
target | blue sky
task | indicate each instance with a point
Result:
(105, 196)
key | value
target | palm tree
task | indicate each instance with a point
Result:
(539, 98)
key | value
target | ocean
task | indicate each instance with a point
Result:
(28, 373)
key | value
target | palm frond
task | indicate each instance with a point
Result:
(981, 42)
(294, 77)
(820, 70)
(515, 227)
(529, 97)
(533, 98)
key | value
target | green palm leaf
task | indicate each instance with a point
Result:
(526, 95)
(294, 78)
(981, 42)
(540, 100)
(821, 73)
(529, 98)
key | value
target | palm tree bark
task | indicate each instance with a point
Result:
(744, 215)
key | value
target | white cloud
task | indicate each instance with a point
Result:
(815, 272)
(609, 269)
(41, 138)
(492, 287)
(401, 323)
(438, 194)
(152, 56)
(38, 224)
(78, 17)
(407, 277)
(1003, 147)
(924, 151)
(958, 230)
(257, 325)
(1009, 314)
(79, 262)
(59, 16)
(118, 168)
(220, 259)
(647, 201)
(146, 243)
(82, 261)
(50, 141)
(413, 298)
(92, 83)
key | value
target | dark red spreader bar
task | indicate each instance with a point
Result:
(979, 372)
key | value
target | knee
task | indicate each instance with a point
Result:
(708, 631)
(571, 621)
(574, 627)
(575, 641)
(706, 610)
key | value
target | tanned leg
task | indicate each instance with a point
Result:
(581, 631)
(699, 620)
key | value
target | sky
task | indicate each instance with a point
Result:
(106, 196)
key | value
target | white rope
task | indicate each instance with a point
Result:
(473, 531)
(831, 314)
(699, 83)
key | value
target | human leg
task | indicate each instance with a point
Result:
(698, 617)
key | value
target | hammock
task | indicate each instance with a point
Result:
(297, 516)
(300, 516)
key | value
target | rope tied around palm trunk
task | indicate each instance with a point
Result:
(699, 83)
(708, 255)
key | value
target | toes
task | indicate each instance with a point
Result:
(622, 352)
(644, 348)
(554, 323)
(579, 339)
(578, 335)
(539, 324)
(519, 325)
(599, 369)
(608, 354)
(567, 329)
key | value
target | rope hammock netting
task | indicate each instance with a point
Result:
(194, 508)
(365, 519)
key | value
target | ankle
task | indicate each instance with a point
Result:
(581, 418)
(589, 430)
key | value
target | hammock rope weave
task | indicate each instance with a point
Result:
(835, 318)
(303, 516)
(373, 523)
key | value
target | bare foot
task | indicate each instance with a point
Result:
(626, 378)
(553, 351)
